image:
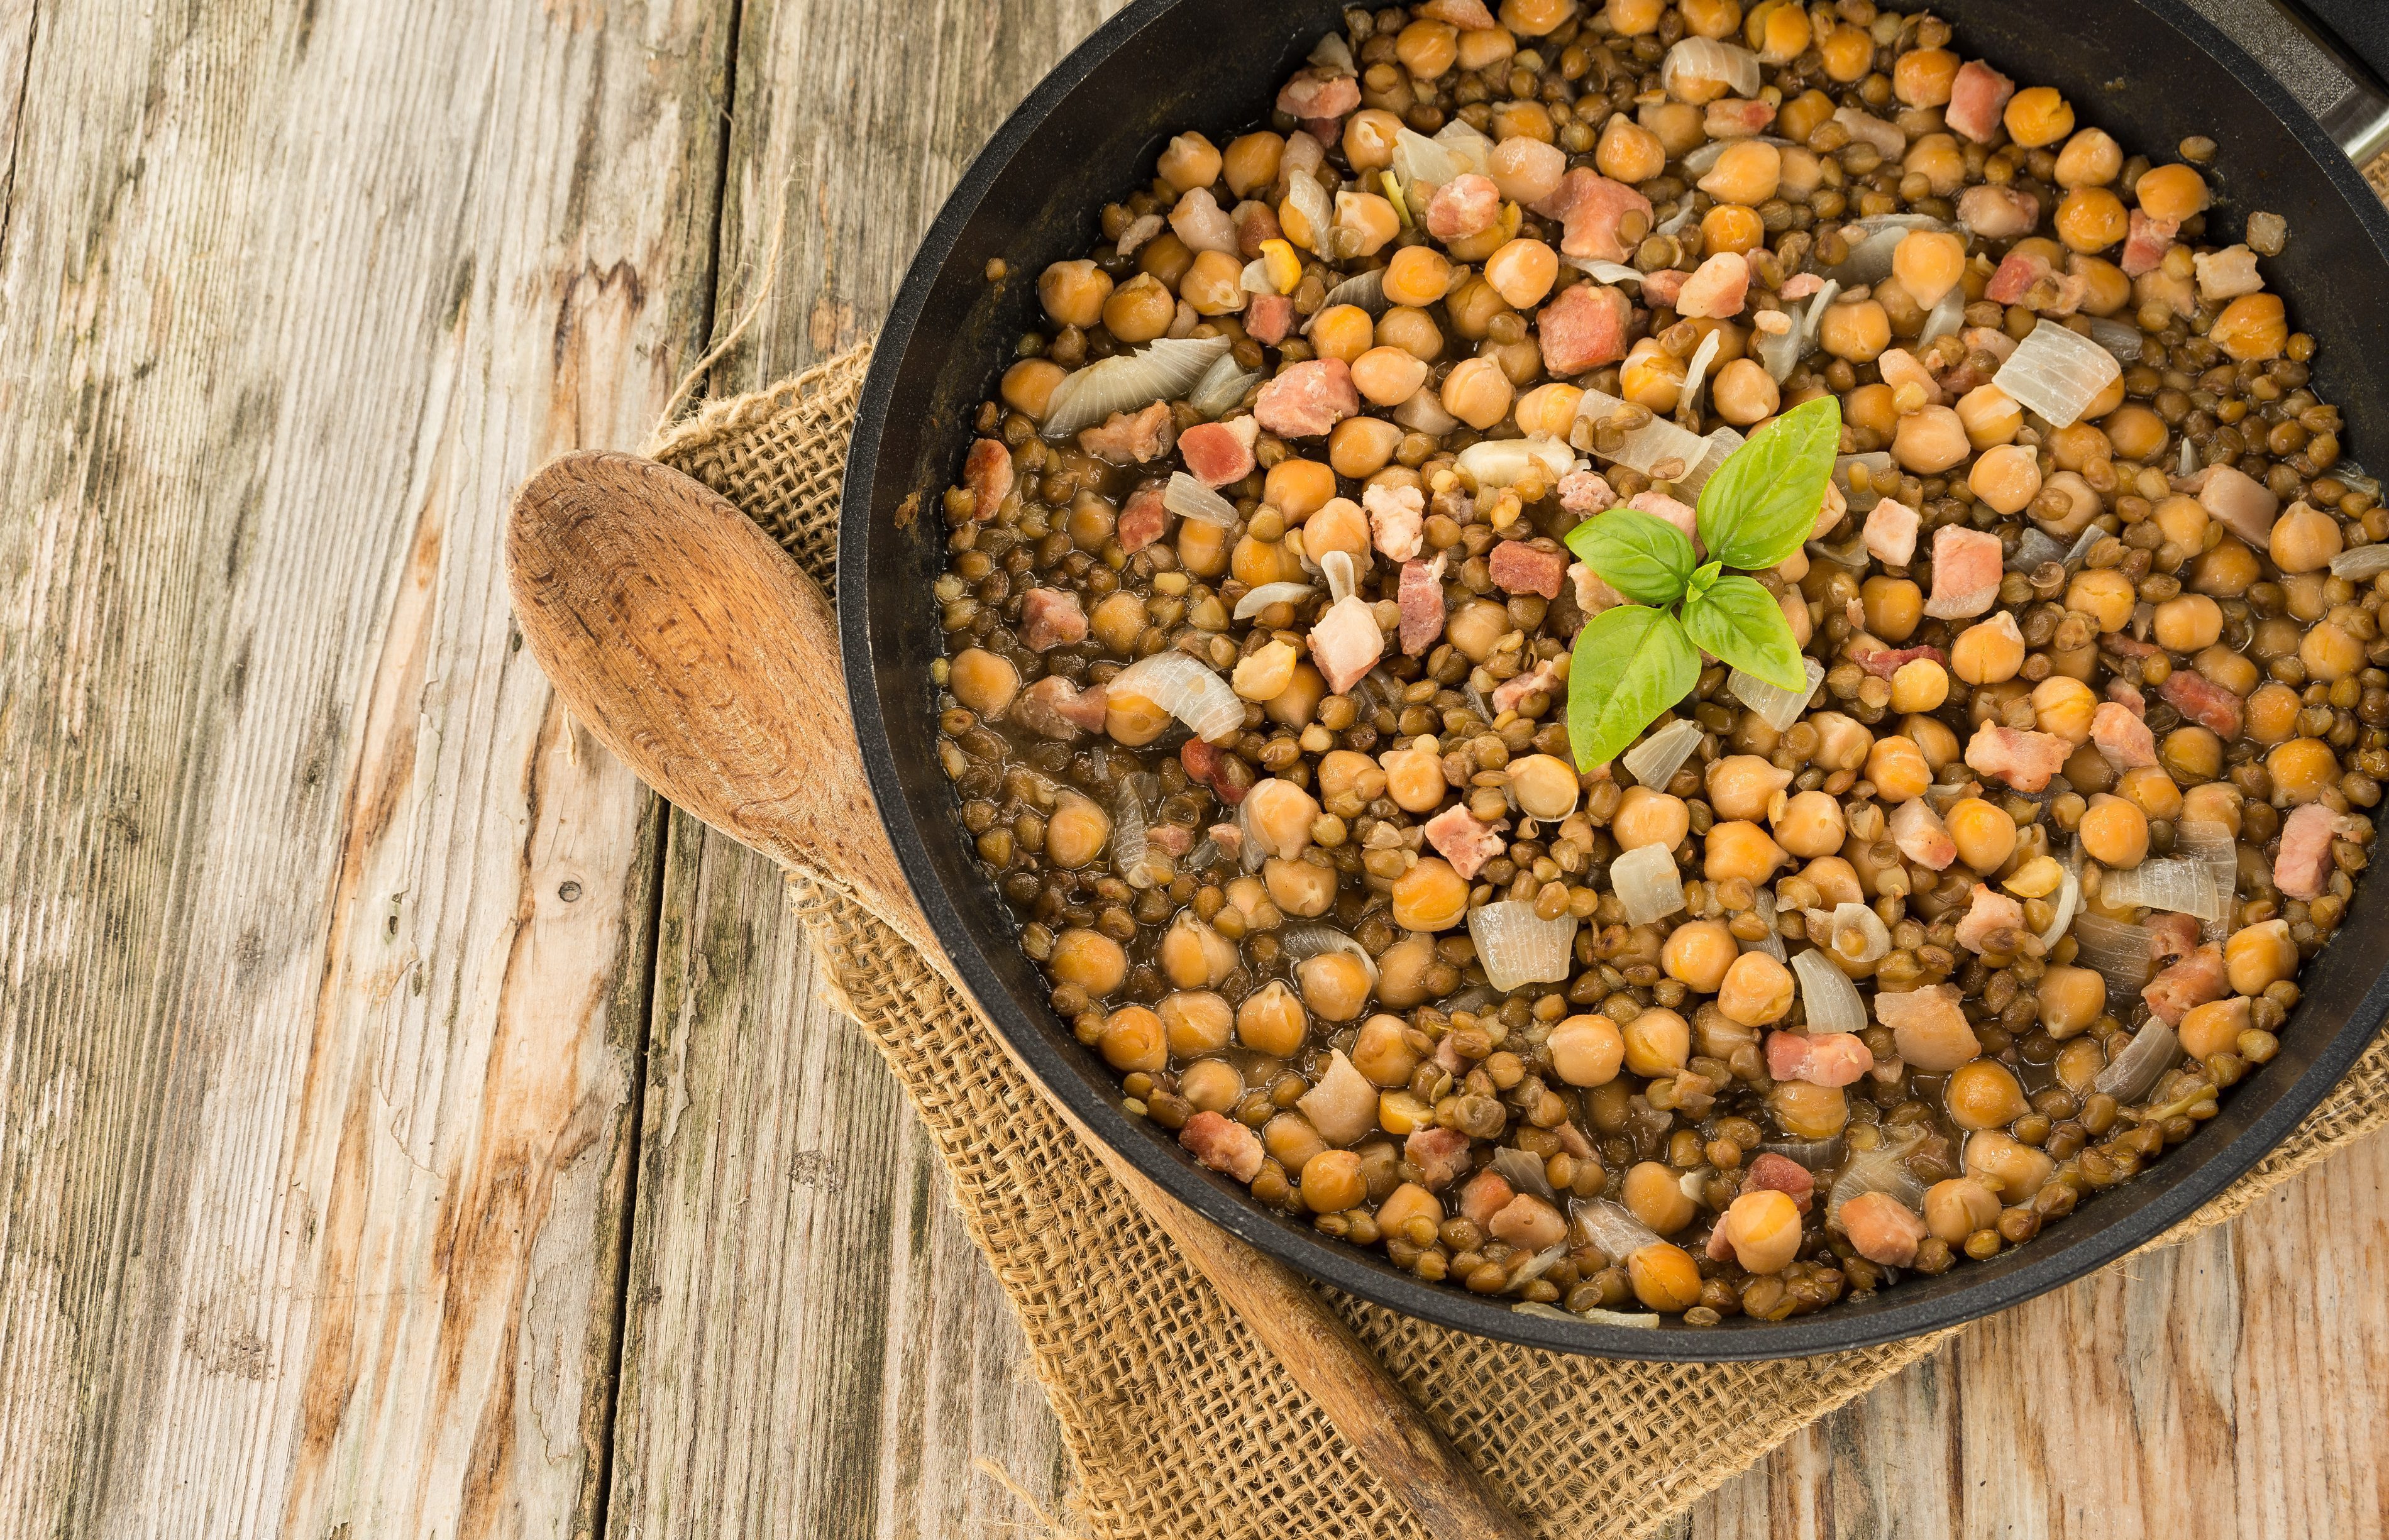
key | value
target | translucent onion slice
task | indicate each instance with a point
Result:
(1850, 553)
(2034, 547)
(1697, 373)
(1129, 847)
(1469, 150)
(1190, 499)
(2082, 544)
(1656, 759)
(1255, 279)
(1869, 261)
(2356, 476)
(1424, 413)
(1675, 223)
(1947, 318)
(1267, 594)
(1647, 883)
(2069, 899)
(1828, 996)
(1222, 388)
(1364, 290)
(1420, 162)
(1781, 352)
(2188, 466)
(1185, 689)
(1607, 271)
(1811, 318)
(1852, 931)
(1773, 705)
(1702, 162)
(1658, 449)
(1519, 947)
(1524, 1174)
(2115, 952)
(2119, 337)
(1610, 1229)
(1881, 1169)
(1773, 942)
(2057, 373)
(1497, 463)
(1299, 943)
(1706, 59)
(1862, 493)
(2214, 847)
(1722, 442)
(1337, 568)
(1639, 1320)
(2143, 1062)
(2361, 562)
(1310, 200)
(1331, 52)
(1815, 1154)
(2185, 886)
(1160, 370)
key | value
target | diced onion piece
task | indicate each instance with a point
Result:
(1524, 1173)
(1421, 164)
(1706, 59)
(1469, 150)
(1782, 352)
(2187, 465)
(2358, 563)
(1763, 902)
(1722, 442)
(1658, 449)
(1607, 271)
(1222, 388)
(1639, 1320)
(2057, 373)
(1872, 241)
(1827, 994)
(2357, 477)
(1693, 1182)
(2069, 899)
(2119, 337)
(1366, 290)
(1815, 315)
(1850, 553)
(2115, 952)
(2185, 886)
(1773, 705)
(1676, 223)
(2082, 544)
(1337, 568)
(1301, 942)
(1190, 499)
(1267, 594)
(1947, 318)
(2033, 548)
(1609, 1229)
(1814, 1154)
(1424, 413)
(1187, 690)
(1862, 493)
(1688, 405)
(1647, 883)
(1657, 758)
(1702, 162)
(1331, 52)
(1129, 847)
(1519, 947)
(1881, 1169)
(2143, 1062)
(1852, 931)
(1497, 463)
(1255, 279)
(1310, 200)
(1160, 370)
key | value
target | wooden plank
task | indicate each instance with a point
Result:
(325, 937)
(894, 1363)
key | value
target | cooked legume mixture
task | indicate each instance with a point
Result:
(1260, 599)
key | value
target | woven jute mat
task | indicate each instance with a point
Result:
(1180, 1423)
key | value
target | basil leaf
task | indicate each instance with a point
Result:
(1704, 578)
(1631, 663)
(1640, 555)
(1761, 504)
(1739, 621)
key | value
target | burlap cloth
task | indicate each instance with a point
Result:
(1180, 1423)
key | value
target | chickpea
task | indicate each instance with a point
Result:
(1299, 888)
(2253, 327)
(1743, 394)
(1387, 376)
(1957, 1207)
(2091, 159)
(984, 682)
(1698, 953)
(1894, 607)
(1899, 771)
(2330, 653)
(1406, 1207)
(1132, 1039)
(2304, 539)
(1663, 1277)
(2114, 832)
(1406, 973)
(1988, 652)
(2070, 999)
(1028, 386)
(2017, 1169)
(1741, 849)
(1983, 1093)
(2171, 193)
(1279, 814)
(2188, 622)
(1298, 702)
(2260, 955)
(1334, 985)
(1298, 488)
(1522, 272)
(1427, 49)
(2105, 595)
(1989, 415)
(1629, 152)
(1417, 275)
(1546, 786)
(1858, 332)
(1088, 958)
(1210, 1085)
(1370, 135)
(1920, 684)
(2007, 478)
(1548, 409)
(2091, 219)
(1332, 1182)
(1264, 674)
(2213, 802)
(2302, 770)
(1291, 1141)
(1535, 17)
(1928, 264)
(1430, 897)
(1645, 817)
(1835, 880)
(1930, 442)
(1757, 990)
(1842, 743)
(2038, 117)
(1271, 1021)
(2063, 708)
(1251, 161)
(1587, 1050)
(1811, 823)
(1763, 1228)
(1652, 377)
(1741, 785)
(1933, 737)
(1746, 173)
(1414, 780)
(1476, 392)
(1476, 627)
(1361, 447)
(1985, 834)
(2225, 571)
(1073, 293)
(1194, 956)
(1921, 77)
(2272, 714)
(1412, 330)
(1657, 1042)
(1343, 331)
(1809, 1112)
(2214, 1027)
(1653, 1194)
(1938, 158)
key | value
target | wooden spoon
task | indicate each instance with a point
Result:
(696, 650)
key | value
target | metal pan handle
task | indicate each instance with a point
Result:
(2313, 66)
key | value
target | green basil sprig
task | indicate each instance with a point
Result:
(1636, 660)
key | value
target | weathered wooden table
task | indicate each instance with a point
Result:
(408, 1126)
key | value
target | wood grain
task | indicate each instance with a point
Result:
(325, 937)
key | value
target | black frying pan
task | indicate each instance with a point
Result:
(2150, 71)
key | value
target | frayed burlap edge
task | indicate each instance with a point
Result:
(1180, 1424)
